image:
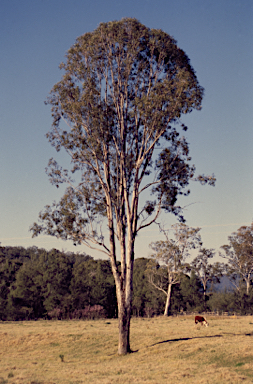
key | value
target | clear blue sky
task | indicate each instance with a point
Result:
(218, 38)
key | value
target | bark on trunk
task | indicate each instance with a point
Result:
(124, 333)
(124, 316)
(247, 286)
(167, 305)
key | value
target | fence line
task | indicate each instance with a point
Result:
(214, 313)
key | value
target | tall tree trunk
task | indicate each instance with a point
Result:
(124, 317)
(167, 305)
(205, 298)
(124, 288)
(247, 286)
(124, 298)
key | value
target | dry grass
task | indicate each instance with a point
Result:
(165, 350)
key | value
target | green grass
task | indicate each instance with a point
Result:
(165, 350)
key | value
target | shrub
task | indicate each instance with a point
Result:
(89, 313)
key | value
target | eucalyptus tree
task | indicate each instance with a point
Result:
(206, 271)
(123, 91)
(239, 256)
(168, 262)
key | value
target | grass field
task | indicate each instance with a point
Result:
(165, 350)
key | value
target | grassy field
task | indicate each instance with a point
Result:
(165, 350)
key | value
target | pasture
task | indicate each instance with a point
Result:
(165, 350)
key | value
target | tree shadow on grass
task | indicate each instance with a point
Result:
(200, 337)
(197, 337)
(184, 339)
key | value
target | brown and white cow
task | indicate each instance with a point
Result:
(201, 320)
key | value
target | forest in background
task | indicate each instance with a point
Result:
(35, 283)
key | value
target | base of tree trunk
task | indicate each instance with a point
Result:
(124, 334)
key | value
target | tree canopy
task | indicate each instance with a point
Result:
(168, 262)
(239, 254)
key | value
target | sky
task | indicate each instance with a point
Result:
(218, 38)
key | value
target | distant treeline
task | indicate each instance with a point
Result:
(35, 283)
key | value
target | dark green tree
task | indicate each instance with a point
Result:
(223, 301)
(146, 300)
(139, 286)
(242, 302)
(104, 290)
(8, 270)
(11, 260)
(92, 284)
(42, 284)
(26, 295)
(123, 91)
(81, 283)
(192, 293)
(56, 271)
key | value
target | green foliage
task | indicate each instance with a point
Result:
(37, 282)
(27, 296)
(56, 277)
(192, 294)
(11, 260)
(92, 283)
(239, 256)
(84, 288)
(242, 302)
(169, 260)
(207, 272)
(146, 301)
(222, 301)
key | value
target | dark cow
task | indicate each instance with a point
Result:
(201, 320)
